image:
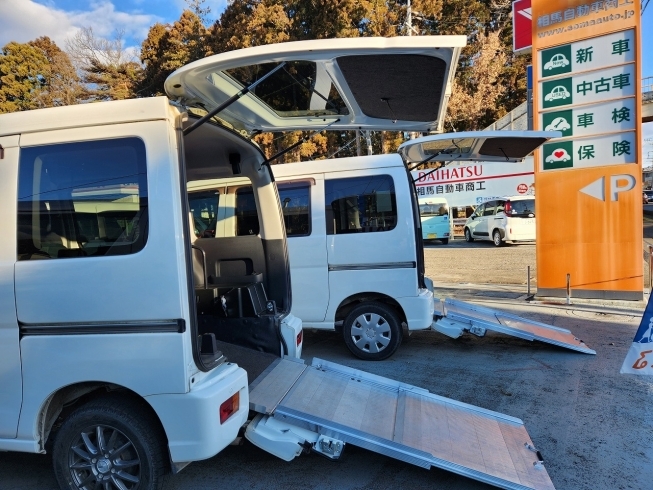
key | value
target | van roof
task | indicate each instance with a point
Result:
(83, 115)
(338, 165)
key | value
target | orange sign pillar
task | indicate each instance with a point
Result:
(588, 183)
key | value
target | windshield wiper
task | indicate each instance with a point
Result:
(230, 101)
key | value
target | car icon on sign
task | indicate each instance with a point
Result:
(557, 61)
(558, 155)
(558, 92)
(558, 124)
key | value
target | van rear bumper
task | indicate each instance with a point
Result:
(418, 310)
(192, 420)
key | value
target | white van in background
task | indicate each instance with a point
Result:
(354, 235)
(357, 263)
(436, 222)
(501, 220)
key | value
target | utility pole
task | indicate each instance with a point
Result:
(409, 24)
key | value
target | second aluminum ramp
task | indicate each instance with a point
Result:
(463, 316)
(401, 421)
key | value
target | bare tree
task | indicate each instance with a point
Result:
(106, 67)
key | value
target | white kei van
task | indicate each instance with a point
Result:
(354, 235)
(509, 219)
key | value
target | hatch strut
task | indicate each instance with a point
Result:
(295, 145)
(230, 101)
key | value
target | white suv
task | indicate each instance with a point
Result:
(510, 219)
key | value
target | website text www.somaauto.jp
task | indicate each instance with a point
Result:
(580, 25)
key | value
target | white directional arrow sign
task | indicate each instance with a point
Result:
(596, 189)
(617, 184)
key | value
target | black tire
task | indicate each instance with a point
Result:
(134, 447)
(445, 241)
(468, 236)
(372, 331)
(496, 238)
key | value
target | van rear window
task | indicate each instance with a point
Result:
(85, 199)
(522, 208)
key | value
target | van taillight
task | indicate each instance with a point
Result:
(507, 207)
(229, 407)
(300, 337)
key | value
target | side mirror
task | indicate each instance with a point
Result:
(473, 216)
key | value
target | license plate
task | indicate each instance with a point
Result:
(431, 235)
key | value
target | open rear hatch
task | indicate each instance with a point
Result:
(475, 146)
(399, 83)
(453, 318)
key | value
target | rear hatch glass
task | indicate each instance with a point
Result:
(521, 209)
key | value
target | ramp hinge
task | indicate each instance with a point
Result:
(2, 153)
(540, 459)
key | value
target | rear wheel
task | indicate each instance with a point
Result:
(468, 236)
(109, 444)
(496, 238)
(372, 331)
(445, 241)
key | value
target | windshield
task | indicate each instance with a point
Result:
(434, 209)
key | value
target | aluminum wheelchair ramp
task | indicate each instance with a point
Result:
(397, 420)
(457, 317)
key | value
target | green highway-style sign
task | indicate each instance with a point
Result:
(558, 155)
(586, 120)
(596, 151)
(590, 54)
(595, 86)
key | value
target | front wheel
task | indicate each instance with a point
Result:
(496, 238)
(372, 331)
(468, 236)
(109, 444)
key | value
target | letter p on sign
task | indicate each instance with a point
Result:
(620, 183)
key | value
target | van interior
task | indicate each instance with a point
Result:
(241, 283)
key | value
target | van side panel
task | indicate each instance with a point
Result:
(146, 363)
(10, 369)
(309, 268)
(379, 262)
(117, 319)
(134, 287)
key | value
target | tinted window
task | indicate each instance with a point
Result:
(246, 213)
(489, 208)
(500, 206)
(360, 205)
(295, 203)
(204, 207)
(435, 209)
(524, 207)
(82, 199)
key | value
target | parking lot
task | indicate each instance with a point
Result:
(480, 262)
(592, 424)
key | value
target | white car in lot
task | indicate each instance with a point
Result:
(509, 219)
